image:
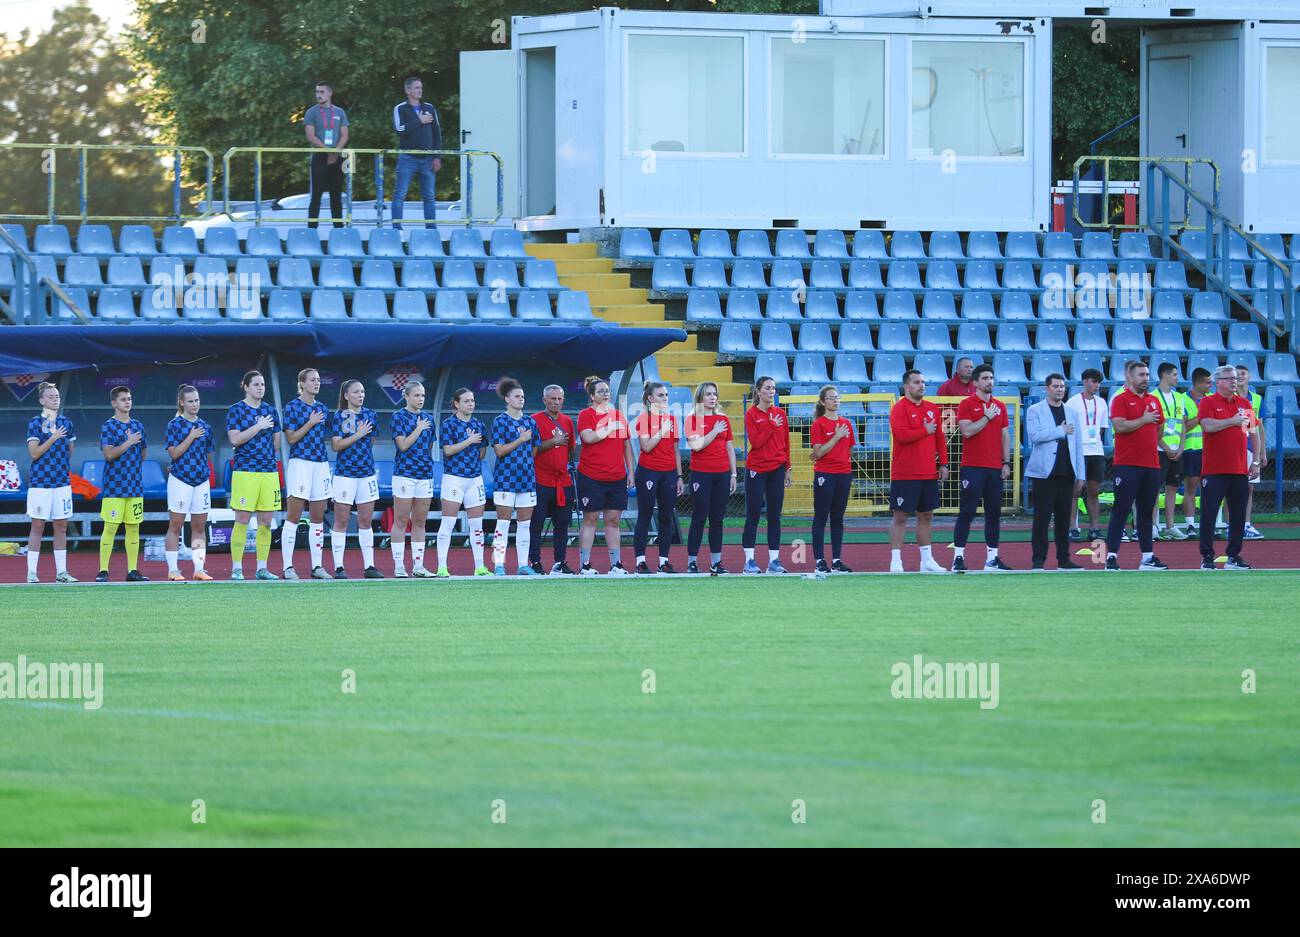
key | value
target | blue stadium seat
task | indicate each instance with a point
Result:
(776, 336)
(136, 240)
(822, 305)
(263, 242)
(748, 274)
(294, 273)
(1059, 245)
(243, 306)
(378, 274)
(983, 245)
(830, 243)
(856, 337)
(1017, 306)
(869, 245)
(80, 298)
(1169, 306)
(978, 305)
(18, 233)
(1115, 370)
(1009, 368)
(1022, 245)
(573, 306)
(861, 304)
(982, 275)
(1238, 249)
(668, 275)
(1098, 245)
(419, 274)
(1052, 336)
(810, 367)
(1043, 364)
(946, 245)
(1018, 275)
(345, 242)
(200, 309)
(737, 340)
(221, 241)
(676, 243)
(934, 337)
(942, 275)
(1262, 270)
(753, 244)
(743, 304)
(1129, 337)
(534, 306)
(636, 244)
(82, 271)
(467, 243)
(1194, 243)
(1271, 243)
(1237, 276)
(126, 272)
(714, 243)
(1290, 445)
(426, 242)
(501, 273)
(1135, 245)
(932, 366)
(1054, 306)
(826, 275)
(895, 336)
(1244, 336)
(793, 243)
(1132, 290)
(906, 245)
(180, 241)
(783, 305)
(372, 306)
(1288, 407)
(386, 242)
(1082, 361)
(53, 239)
(328, 304)
(903, 275)
(899, 304)
(1056, 276)
(489, 305)
(286, 304)
(1170, 275)
(852, 369)
(336, 273)
(116, 302)
(410, 306)
(1203, 359)
(703, 306)
(210, 270)
(973, 339)
(709, 274)
(938, 304)
(541, 275)
(816, 336)
(303, 242)
(887, 368)
(459, 274)
(509, 244)
(1279, 368)
(157, 305)
(451, 305)
(773, 366)
(1207, 336)
(865, 275)
(8, 278)
(1012, 336)
(787, 275)
(1167, 337)
(95, 239)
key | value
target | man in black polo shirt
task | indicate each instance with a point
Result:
(327, 128)
(418, 128)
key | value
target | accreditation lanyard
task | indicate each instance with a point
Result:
(1090, 421)
(328, 120)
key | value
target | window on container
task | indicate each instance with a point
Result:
(968, 98)
(1281, 129)
(685, 94)
(828, 97)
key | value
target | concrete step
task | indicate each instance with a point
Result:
(593, 282)
(560, 251)
(694, 375)
(675, 357)
(603, 298)
(585, 266)
(639, 312)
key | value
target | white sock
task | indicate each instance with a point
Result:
(500, 543)
(992, 555)
(895, 556)
(60, 561)
(1112, 556)
(1191, 521)
(261, 565)
(316, 542)
(959, 553)
(925, 553)
(33, 560)
(367, 537)
(476, 540)
(417, 552)
(288, 539)
(523, 540)
(199, 553)
(171, 560)
(1147, 556)
(444, 539)
(641, 558)
(398, 545)
(338, 541)
(749, 554)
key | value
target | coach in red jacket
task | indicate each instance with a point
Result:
(918, 464)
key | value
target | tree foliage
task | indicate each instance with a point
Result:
(1094, 88)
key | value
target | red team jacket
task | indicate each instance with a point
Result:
(552, 466)
(769, 439)
(917, 454)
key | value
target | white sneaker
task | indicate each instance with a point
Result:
(290, 573)
(928, 565)
(33, 578)
(895, 566)
(400, 573)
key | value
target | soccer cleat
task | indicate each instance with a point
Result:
(822, 567)
(136, 576)
(588, 570)
(33, 579)
(1251, 533)
(776, 569)
(562, 569)
(536, 568)
(958, 564)
(1129, 535)
(175, 577)
(372, 573)
(318, 572)
(837, 566)
(1192, 530)
(442, 573)
(1152, 565)
(1038, 568)
(1164, 534)
(399, 572)
(102, 576)
(717, 569)
(1208, 565)
(66, 576)
(201, 576)
(482, 571)
(996, 565)
(340, 572)
(1237, 563)
(666, 569)
(236, 575)
(751, 569)
(528, 571)
(1076, 535)
(1112, 564)
(895, 566)
(1068, 565)
(499, 571)
(1175, 533)
(618, 570)
(692, 568)
(643, 568)
(928, 565)
(265, 575)
(290, 573)
(420, 572)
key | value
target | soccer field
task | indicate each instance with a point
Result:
(525, 702)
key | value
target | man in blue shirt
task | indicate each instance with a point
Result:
(418, 128)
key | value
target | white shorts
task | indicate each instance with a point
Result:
(356, 490)
(188, 499)
(404, 487)
(49, 504)
(309, 481)
(467, 492)
(514, 499)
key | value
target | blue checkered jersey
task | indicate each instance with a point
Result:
(192, 466)
(416, 462)
(310, 447)
(468, 463)
(514, 470)
(124, 476)
(258, 453)
(358, 459)
(51, 469)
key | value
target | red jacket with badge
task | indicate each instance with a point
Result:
(768, 433)
(917, 454)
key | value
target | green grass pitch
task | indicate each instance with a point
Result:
(1125, 689)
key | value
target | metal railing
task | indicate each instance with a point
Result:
(1187, 162)
(50, 153)
(29, 302)
(349, 156)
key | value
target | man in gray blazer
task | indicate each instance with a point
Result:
(1055, 463)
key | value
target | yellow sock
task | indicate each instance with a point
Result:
(238, 537)
(263, 543)
(132, 546)
(106, 543)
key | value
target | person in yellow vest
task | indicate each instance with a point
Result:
(1178, 410)
(1192, 450)
(1256, 401)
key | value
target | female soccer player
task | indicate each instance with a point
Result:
(412, 432)
(515, 438)
(463, 447)
(50, 437)
(605, 473)
(832, 437)
(658, 475)
(190, 443)
(713, 475)
(253, 427)
(767, 474)
(123, 443)
(307, 477)
(355, 482)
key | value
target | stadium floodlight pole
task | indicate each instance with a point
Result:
(273, 366)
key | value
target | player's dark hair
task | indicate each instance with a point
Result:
(410, 81)
(325, 84)
(1199, 374)
(589, 384)
(648, 391)
(1090, 374)
(760, 381)
(118, 391)
(820, 408)
(181, 393)
(1165, 368)
(1047, 381)
(302, 376)
(907, 375)
(248, 378)
(507, 386)
(1133, 365)
(458, 393)
(981, 369)
(343, 391)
